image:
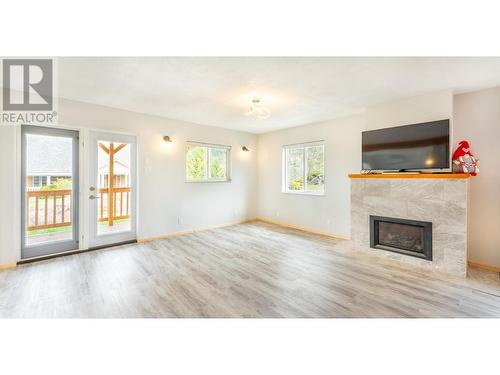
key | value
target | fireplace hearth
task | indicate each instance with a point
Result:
(408, 237)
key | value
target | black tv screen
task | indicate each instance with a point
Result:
(410, 147)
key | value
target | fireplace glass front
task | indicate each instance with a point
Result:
(403, 236)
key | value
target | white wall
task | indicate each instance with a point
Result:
(164, 196)
(423, 108)
(9, 213)
(331, 213)
(477, 119)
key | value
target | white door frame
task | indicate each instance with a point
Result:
(103, 240)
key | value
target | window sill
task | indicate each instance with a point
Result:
(304, 193)
(206, 181)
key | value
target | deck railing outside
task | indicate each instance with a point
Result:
(121, 205)
(52, 208)
(48, 209)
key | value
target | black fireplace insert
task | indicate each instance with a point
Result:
(409, 237)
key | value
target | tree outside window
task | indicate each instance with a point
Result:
(304, 169)
(207, 163)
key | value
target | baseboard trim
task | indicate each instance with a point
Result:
(483, 266)
(309, 230)
(8, 266)
(190, 231)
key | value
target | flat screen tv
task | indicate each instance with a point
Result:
(410, 147)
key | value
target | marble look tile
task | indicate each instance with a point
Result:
(357, 189)
(376, 187)
(455, 262)
(449, 240)
(417, 189)
(440, 201)
(385, 206)
(425, 209)
(456, 191)
(437, 253)
(454, 215)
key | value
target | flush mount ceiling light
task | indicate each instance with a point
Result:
(258, 110)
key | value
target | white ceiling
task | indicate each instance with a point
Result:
(297, 90)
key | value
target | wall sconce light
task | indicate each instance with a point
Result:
(167, 139)
(244, 148)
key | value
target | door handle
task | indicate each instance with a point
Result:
(94, 197)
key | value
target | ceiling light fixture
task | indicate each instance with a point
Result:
(258, 110)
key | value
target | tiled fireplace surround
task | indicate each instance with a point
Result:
(440, 199)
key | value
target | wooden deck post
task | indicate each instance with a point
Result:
(111, 209)
(111, 151)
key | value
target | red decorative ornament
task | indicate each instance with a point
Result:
(464, 158)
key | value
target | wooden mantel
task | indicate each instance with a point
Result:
(403, 175)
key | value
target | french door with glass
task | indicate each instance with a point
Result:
(112, 189)
(49, 191)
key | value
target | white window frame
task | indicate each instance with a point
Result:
(41, 180)
(303, 146)
(208, 146)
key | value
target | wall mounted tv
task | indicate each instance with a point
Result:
(410, 147)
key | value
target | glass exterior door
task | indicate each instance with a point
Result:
(49, 191)
(112, 189)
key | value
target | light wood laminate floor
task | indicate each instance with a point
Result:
(248, 270)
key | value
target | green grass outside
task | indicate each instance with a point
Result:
(114, 221)
(50, 230)
(67, 228)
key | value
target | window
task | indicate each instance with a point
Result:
(207, 163)
(304, 168)
(39, 181)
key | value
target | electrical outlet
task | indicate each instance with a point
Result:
(277, 214)
(180, 220)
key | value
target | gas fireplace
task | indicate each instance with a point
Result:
(409, 237)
